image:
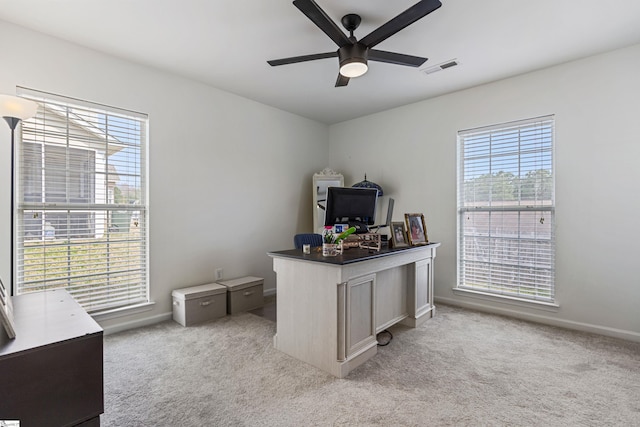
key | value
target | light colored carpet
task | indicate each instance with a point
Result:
(461, 368)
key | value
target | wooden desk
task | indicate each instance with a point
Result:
(330, 309)
(51, 374)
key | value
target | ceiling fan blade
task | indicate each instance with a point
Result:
(303, 58)
(396, 58)
(322, 20)
(406, 18)
(342, 80)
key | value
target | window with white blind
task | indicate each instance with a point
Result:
(506, 208)
(82, 206)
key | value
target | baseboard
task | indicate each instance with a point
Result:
(137, 323)
(547, 320)
(269, 292)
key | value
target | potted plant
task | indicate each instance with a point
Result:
(331, 241)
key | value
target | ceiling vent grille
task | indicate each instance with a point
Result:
(440, 67)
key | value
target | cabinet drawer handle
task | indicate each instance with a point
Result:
(205, 303)
(247, 293)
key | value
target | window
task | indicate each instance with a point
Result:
(82, 204)
(506, 207)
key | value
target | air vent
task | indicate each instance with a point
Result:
(440, 67)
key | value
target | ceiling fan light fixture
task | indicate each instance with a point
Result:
(353, 60)
(355, 68)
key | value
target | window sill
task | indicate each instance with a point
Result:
(520, 302)
(122, 311)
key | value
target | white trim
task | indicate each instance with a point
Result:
(522, 302)
(147, 321)
(507, 125)
(122, 311)
(544, 319)
(64, 99)
(269, 292)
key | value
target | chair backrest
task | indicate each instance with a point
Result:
(312, 239)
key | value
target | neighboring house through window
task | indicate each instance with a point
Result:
(82, 204)
(506, 210)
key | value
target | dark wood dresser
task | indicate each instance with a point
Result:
(51, 374)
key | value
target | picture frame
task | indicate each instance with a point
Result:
(399, 235)
(416, 229)
(6, 312)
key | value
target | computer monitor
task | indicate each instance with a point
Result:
(353, 206)
(389, 213)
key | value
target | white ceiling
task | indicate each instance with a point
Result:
(226, 43)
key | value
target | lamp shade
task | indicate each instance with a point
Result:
(368, 184)
(17, 108)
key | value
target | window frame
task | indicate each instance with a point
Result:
(532, 272)
(120, 270)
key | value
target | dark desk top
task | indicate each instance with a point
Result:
(348, 256)
(45, 318)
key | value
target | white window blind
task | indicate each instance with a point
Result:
(82, 205)
(506, 207)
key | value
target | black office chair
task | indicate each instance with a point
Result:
(312, 239)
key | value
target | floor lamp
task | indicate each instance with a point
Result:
(13, 109)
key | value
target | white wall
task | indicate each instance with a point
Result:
(411, 152)
(230, 179)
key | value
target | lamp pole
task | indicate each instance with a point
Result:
(13, 109)
(13, 122)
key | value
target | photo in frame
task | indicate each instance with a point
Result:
(399, 235)
(6, 312)
(417, 231)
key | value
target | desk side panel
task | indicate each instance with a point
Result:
(307, 312)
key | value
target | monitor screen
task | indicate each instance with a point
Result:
(355, 206)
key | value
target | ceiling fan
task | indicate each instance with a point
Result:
(353, 54)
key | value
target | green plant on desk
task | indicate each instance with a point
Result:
(330, 237)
